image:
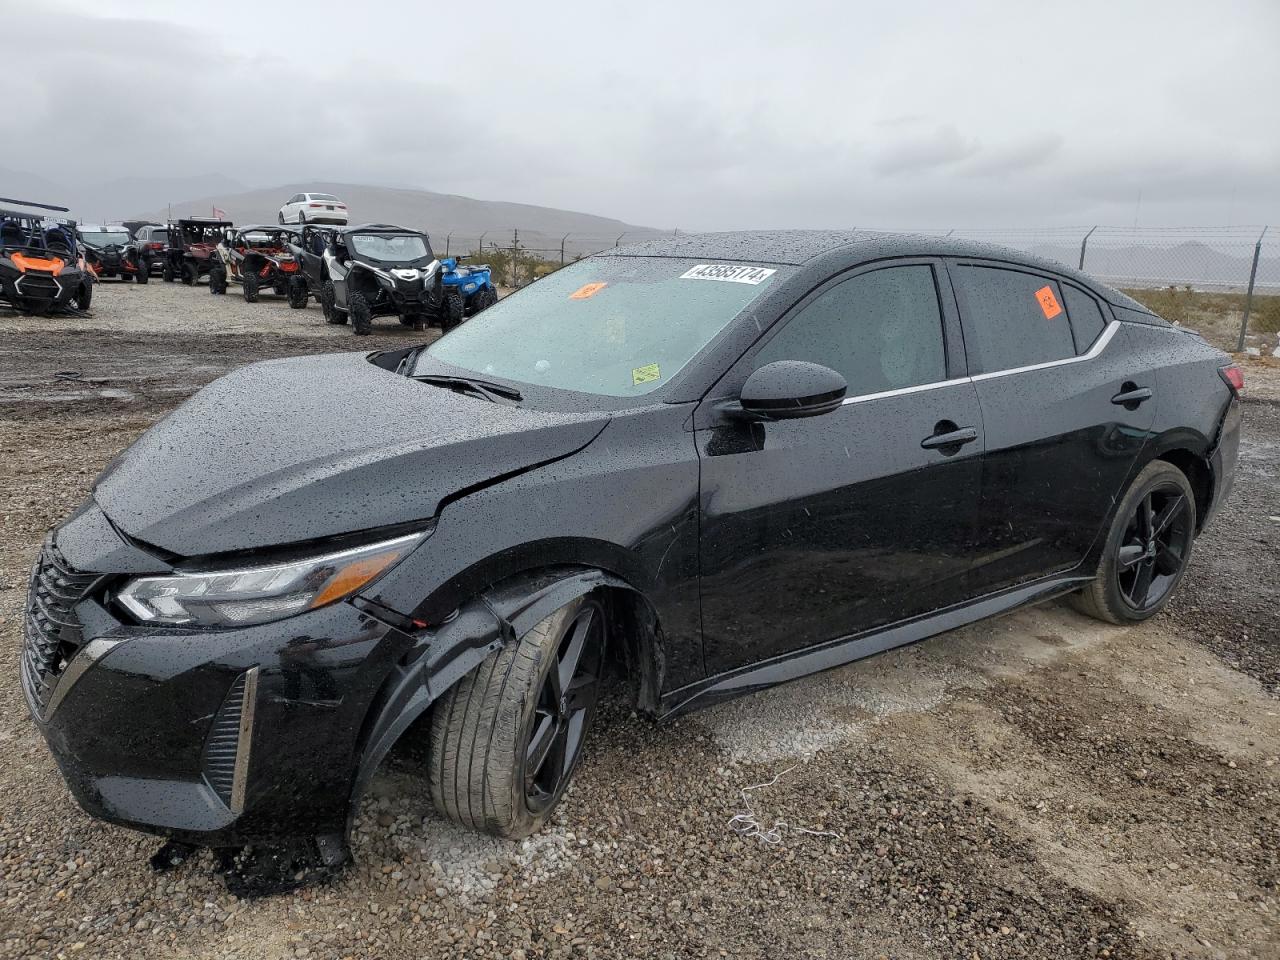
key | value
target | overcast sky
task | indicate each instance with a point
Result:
(692, 114)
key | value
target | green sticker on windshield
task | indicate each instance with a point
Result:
(646, 374)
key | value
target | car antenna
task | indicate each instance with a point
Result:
(42, 206)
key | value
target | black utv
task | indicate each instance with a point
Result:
(308, 246)
(190, 253)
(258, 258)
(378, 269)
(110, 252)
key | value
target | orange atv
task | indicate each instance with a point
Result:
(41, 267)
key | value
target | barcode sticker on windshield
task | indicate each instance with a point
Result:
(646, 374)
(730, 272)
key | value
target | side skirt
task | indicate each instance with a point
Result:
(836, 653)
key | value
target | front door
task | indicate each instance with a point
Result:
(816, 529)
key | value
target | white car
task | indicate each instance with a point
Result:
(313, 208)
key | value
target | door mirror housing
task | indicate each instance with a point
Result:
(789, 389)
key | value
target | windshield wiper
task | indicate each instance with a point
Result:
(485, 388)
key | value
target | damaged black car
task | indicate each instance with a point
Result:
(708, 464)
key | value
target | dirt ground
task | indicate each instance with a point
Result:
(1035, 786)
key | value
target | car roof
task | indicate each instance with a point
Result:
(800, 247)
(245, 228)
(380, 228)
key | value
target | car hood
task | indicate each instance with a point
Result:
(290, 450)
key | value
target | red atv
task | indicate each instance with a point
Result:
(258, 257)
(192, 242)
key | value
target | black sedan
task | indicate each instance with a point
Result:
(712, 462)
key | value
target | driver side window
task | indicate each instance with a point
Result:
(881, 330)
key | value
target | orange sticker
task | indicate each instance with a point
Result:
(587, 290)
(1048, 302)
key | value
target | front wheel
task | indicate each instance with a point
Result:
(166, 272)
(144, 272)
(297, 293)
(249, 285)
(1147, 548)
(361, 317)
(328, 305)
(190, 273)
(506, 738)
(84, 296)
(217, 281)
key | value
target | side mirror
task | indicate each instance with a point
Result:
(788, 389)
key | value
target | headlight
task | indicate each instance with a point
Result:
(258, 594)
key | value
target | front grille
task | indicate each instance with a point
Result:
(38, 286)
(52, 633)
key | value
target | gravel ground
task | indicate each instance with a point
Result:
(1035, 786)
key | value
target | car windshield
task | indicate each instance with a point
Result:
(386, 247)
(617, 326)
(105, 238)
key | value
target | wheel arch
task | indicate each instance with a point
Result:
(491, 618)
(1199, 473)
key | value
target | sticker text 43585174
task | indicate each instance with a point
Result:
(730, 272)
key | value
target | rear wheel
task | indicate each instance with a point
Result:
(328, 304)
(84, 296)
(1147, 548)
(358, 311)
(217, 280)
(484, 299)
(249, 285)
(144, 272)
(506, 738)
(297, 293)
(166, 272)
(190, 273)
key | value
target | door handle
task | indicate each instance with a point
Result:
(1131, 395)
(955, 437)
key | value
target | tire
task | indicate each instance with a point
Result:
(218, 281)
(483, 300)
(358, 311)
(486, 730)
(1150, 541)
(249, 285)
(166, 272)
(298, 293)
(144, 273)
(453, 309)
(84, 296)
(328, 305)
(190, 273)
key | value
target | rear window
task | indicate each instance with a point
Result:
(161, 236)
(1087, 321)
(1011, 318)
(324, 196)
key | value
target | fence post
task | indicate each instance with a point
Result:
(447, 238)
(515, 246)
(562, 240)
(1248, 297)
(1084, 243)
(619, 240)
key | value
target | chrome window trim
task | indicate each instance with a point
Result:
(1098, 346)
(936, 385)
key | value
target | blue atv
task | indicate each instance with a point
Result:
(467, 291)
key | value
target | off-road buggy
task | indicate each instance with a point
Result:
(308, 246)
(189, 255)
(379, 269)
(258, 258)
(468, 289)
(41, 268)
(110, 252)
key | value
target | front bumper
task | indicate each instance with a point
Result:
(214, 737)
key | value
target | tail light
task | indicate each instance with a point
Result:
(154, 246)
(315, 204)
(1233, 377)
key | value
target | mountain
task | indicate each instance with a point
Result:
(440, 214)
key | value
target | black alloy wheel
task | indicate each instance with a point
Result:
(1155, 547)
(565, 704)
(1147, 549)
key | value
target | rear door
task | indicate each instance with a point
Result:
(816, 529)
(1052, 372)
